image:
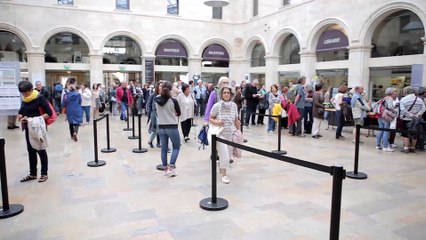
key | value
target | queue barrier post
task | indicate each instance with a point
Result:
(214, 203)
(127, 120)
(139, 149)
(96, 162)
(279, 151)
(242, 122)
(336, 201)
(6, 210)
(133, 128)
(355, 174)
(108, 149)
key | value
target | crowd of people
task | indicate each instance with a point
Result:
(300, 107)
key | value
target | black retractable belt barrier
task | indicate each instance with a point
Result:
(214, 203)
(127, 120)
(108, 149)
(359, 175)
(97, 162)
(140, 149)
(7, 210)
(133, 128)
(243, 122)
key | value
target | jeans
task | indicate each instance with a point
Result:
(32, 157)
(86, 111)
(307, 117)
(271, 124)
(382, 137)
(123, 115)
(339, 121)
(299, 121)
(173, 134)
(250, 111)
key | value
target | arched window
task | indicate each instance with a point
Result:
(399, 34)
(12, 48)
(122, 50)
(289, 51)
(215, 55)
(172, 53)
(258, 55)
(66, 47)
(332, 45)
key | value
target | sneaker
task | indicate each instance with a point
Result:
(315, 136)
(74, 137)
(379, 148)
(167, 172)
(388, 149)
(158, 145)
(225, 180)
(319, 135)
(393, 145)
(151, 145)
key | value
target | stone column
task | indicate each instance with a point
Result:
(36, 67)
(359, 72)
(238, 69)
(194, 67)
(96, 71)
(271, 73)
(308, 64)
(424, 62)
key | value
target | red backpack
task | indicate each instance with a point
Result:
(51, 119)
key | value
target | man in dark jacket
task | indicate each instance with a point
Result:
(42, 90)
(252, 100)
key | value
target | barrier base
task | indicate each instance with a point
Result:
(133, 137)
(207, 204)
(14, 209)
(108, 150)
(96, 164)
(280, 152)
(358, 175)
(140, 150)
(245, 140)
(127, 129)
(160, 167)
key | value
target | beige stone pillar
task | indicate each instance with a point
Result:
(36, 67)
(308, 64)
(96, 71)
(194, 68)
(238, 69)
(271, 73)
(359, 72)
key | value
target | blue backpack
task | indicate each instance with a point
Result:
(202, 137)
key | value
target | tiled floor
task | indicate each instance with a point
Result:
(129, 199)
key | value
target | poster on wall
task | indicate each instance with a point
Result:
(10, 98)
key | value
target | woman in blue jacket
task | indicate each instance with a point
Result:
(72, 102)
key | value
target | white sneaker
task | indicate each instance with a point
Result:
(393, 146)
(388, 149)
(225, 179)
(379, 147)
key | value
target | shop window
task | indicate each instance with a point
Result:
(171, 61)
(289, 51)
(399, 34)
(122, 4)
(332, 77)
(12, 48)
(66, 47)
(258, 56)
(332, 45)
(173, 7)
(217, 12)
(66, 2)
(382, 78)
(122, 50)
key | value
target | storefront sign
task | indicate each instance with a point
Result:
(215, 52)
(149, 70)
(171, 50)
(332, 40)
(67, 67)
(10, 98)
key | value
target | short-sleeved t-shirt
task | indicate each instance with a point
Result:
(301, 93)
(228, 112)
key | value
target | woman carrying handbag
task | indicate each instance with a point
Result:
(224, 114)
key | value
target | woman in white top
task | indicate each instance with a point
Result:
(339, 117)
(224, 113)
(186, 102)
(95, 99)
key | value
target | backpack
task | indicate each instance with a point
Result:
(202, 137)
(378, 107)
(292, 93)
(51, 118)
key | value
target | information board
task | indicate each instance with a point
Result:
(10, 98)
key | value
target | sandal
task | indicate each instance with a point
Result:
(29, 178)
(43, 178)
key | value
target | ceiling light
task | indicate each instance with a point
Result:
(216, 3)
